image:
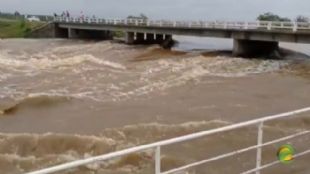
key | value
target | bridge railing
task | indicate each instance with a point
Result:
(256, 25)
(158, 146)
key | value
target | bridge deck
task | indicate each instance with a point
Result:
(288, 27)
(259, 30)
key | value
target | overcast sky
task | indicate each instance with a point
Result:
(163, 9)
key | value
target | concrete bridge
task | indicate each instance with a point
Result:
(250, 38)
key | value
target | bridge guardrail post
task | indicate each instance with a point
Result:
(225, 25)
(259, 149)
(269, 25)
(295, 26)
(246, 25)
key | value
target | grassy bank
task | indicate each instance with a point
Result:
(16, 28)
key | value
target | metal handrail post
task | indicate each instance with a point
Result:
(260, 136)
(157, 160)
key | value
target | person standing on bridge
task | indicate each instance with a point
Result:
(81, 15)
(68, 14)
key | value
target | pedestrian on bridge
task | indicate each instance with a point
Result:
(68, 14)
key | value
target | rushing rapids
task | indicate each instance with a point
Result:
(63, 100)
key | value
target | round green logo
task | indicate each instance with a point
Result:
(286, 154)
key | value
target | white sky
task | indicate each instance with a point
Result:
(163, 9)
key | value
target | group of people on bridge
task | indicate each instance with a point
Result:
(63, 14)
(66, 14)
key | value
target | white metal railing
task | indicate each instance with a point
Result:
(157, 147)
(257, 25)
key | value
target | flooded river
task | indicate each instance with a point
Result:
(62, 100)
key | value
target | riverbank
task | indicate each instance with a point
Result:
(17, 28)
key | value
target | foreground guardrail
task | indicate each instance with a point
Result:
(157, 147)
(263, 25)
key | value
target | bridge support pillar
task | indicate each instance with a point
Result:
(250, 48)
(165, 41)
(60, 32)
(72, 33)
(159, 38)
(130, 38)
(168, 41)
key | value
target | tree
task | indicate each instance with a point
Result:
(141, 16)
(272, 17)
(17, 14)
(301, 18)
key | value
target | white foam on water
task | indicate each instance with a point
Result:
(81, 47)
(25, 152)
(4, 76)
(168, 73)
(46, 63)
(100, 79)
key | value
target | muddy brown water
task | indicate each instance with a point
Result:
(63, 100)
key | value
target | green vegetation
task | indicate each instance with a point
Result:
(141, 16)
(18, 16)
(119, 34)
(272, 17)
(16, 28)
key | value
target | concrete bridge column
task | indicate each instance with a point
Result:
(165, 41)
(250, 48)
(60, 32)
(130, 38)
(72, 33)
(168, 41)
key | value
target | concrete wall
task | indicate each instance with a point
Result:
(52, 30)
(47, 31)
(61, 32)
